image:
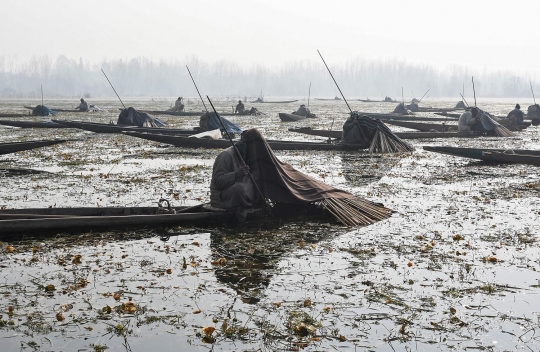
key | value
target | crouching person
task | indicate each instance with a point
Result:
(231, 187)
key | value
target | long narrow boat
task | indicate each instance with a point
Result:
(183, 113)
(14, 115)
(477, 153)
(187, 142)
(512, 157)
(333, 99)
(290, 117)
(49, 219)
(113, 128)
(56, 110)
(273, 102)
(377, 101)
(430, 109)
(13, 147)
(32, 124)
(409, 117)
(425, 127)
(402, 135)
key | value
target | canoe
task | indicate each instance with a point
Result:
(409, 117)
(290, 117)
(14, 115)
(274, 102)
(181, 113)
(187, 142)
(56, 110)
(402, 135)
(32, 124)
(510, 157)
(426, 109)
(333, 99)
(113, 128)
(476, 153)
(49, 219)
(387, 116)
(378, 101)
(13, 147)
(425, 127)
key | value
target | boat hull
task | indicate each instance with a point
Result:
(112, 128)
(402, 135)
(476, 153)
(32, 124)
(8, 148)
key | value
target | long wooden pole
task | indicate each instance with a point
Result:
(268, 207)
(196, 88)
(424, 95)
(402, 99)
(113, 89)
(42, 98)
(462, 97)
(335, 81)
(532, 91)
(309, 94)
(474, 91)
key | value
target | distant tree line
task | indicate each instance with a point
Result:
(142, 76)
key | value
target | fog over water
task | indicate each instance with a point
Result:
(358, 77)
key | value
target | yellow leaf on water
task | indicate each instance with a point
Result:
(197, 311)
(208, 330)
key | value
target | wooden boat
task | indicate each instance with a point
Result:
(182, 113)
(187, 142)
(113, 128)
(430, 109)
(425, 127)
(290, 117)
(56, 110)
(410, 118)
(511, 156)
(402, 135)
(378, 101)
(478, 153)
(13, 147)
(49, 219)
(333, 99)
(273, 102)
(14, 115)
(32, 124)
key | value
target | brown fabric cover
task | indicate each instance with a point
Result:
(279, 181)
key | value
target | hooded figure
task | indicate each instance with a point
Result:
(178, 105)
(401, 109)
(302, 111)
(413, 107)
(239, 107)
(516, 115)
(83, 106)
(460, 105)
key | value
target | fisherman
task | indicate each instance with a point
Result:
(413, 107)
(178, 105)
(83, 106)
(516, 115)
(231, 187)
(533, 113)
(401, 109)
(239, 107)
(468, 121)
(302, 111)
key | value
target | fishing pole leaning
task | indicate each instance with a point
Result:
(114, 90)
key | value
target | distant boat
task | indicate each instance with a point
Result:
(293, 117)
(13, 147)
(517, 156)
(259, 100)
(336, 98)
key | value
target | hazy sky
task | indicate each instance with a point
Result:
(493, 34)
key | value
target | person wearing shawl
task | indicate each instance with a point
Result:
(302, 111)
(516, 115)
(401, 109)
(468, 121)
(83, 106)
(239, 107)
(231, 186)
(178, 105)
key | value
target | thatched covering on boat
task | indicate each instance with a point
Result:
(210, 121)
(42, 110)
(373, 134)
(489, 125)
(132, 117)
(401, 109)
(280, 182)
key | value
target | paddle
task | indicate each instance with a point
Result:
(340, 92)
(114, 90)
(424, 95)
(42, 108)
(197, 88)
(465, 101)
(268, 207)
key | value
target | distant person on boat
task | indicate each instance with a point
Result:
(468, 121)
(533, 113)
(178, 105)
(413, 107)
(83, 106)
(460, 105)
(239, 107)
(516, 116)
(302, 111)
(401, 109)
(387, 99)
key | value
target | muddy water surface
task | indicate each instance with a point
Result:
(455, 268)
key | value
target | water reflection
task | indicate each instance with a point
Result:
(248, 258)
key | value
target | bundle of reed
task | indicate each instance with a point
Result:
(388, 143)
(355, 211)
(490, 124)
